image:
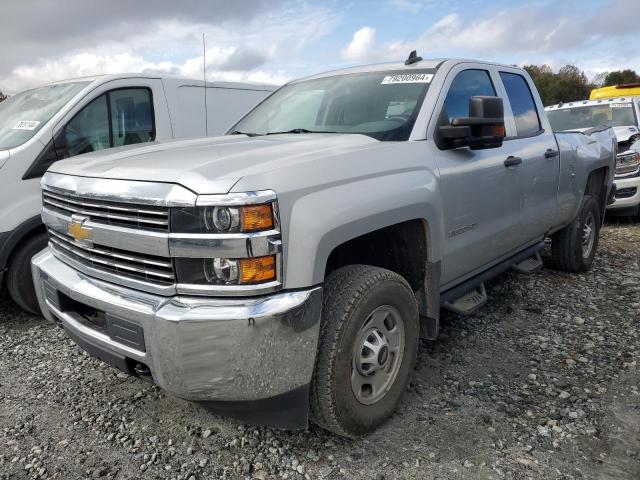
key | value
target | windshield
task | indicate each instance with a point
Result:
(383, 105)
(609, 115)
(24, 114)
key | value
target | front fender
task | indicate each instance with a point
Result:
(321, 220)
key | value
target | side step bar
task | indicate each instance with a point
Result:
(471, 294)
(530, 265)
(469, 302)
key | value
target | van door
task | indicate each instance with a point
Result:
(536, 145)
(480, 193)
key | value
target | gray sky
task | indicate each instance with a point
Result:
(273, 41)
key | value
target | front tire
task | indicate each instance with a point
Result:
(19, 278)
(574, 247)
(368, 345)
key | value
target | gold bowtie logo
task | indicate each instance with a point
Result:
(78, 231)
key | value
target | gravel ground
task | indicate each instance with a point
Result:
(542, 382)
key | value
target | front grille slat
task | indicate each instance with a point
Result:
(140, 217)
(149, 268)
(626, 164)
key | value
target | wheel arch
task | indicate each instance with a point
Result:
(597, 186)
(22, 232)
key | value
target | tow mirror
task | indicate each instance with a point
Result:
(483, 128)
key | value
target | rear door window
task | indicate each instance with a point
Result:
(522, 104)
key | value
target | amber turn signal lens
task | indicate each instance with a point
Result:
(255, 270)
(258, 217)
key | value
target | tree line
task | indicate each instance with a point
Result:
(570, 83)
(2, 96)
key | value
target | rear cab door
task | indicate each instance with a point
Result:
(533, 141)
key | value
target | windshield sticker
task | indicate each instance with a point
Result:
(620, 105)
(26, 125)
(407, 78)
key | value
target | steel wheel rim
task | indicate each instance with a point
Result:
(377, 354)
(588, 235)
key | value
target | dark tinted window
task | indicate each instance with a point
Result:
(467, 84)
(522, 104)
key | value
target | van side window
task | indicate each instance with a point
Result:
(89, 129)
(131, 116)
(116, 118)
(467, 84)
(522, 104)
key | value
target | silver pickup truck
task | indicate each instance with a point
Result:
(286, 271)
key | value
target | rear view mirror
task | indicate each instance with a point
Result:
(483, 128)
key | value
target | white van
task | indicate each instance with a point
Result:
(72, 117)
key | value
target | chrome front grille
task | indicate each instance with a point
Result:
(137, 266)
(627, 163)
(140, 217)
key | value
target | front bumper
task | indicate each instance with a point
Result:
(202, 349)
(627, 194)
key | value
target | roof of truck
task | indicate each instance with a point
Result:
(180, 80)
(424, 64)
(587, 103)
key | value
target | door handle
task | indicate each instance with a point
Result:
(551, 153)
(512, 161)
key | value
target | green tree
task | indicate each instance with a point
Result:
(568, 84)
(620, 77)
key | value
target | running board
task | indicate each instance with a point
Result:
(469, 302)
(530, 265)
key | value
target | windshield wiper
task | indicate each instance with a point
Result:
(298, 130)
(248, 134)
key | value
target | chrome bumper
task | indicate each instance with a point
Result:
(628, 201)
(200, 349)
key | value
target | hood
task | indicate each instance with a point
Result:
(210, 165)
(624, 133)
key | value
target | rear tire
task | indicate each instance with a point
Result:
(368, 345)
(19, 278)
(574, 247)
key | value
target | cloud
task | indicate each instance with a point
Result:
(416, 6)
(240, 44)
(531, 30)
(361, 45)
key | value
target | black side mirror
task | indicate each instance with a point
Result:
(483, 128)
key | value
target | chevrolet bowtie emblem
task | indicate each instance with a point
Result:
(79, 232)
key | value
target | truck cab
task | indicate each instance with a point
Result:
(65, 119)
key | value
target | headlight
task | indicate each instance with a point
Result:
(222, 219)
(226, 271)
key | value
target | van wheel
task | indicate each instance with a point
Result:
(368, 345)
(19, 278)
(574, 247)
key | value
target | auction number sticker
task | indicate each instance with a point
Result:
(407, 78)
(26, 125)
(620, 105)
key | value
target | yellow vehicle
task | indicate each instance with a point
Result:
(615, 91)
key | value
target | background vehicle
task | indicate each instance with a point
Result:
(622, 114)
(64, 119)
(287, 269)
(616, 91)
